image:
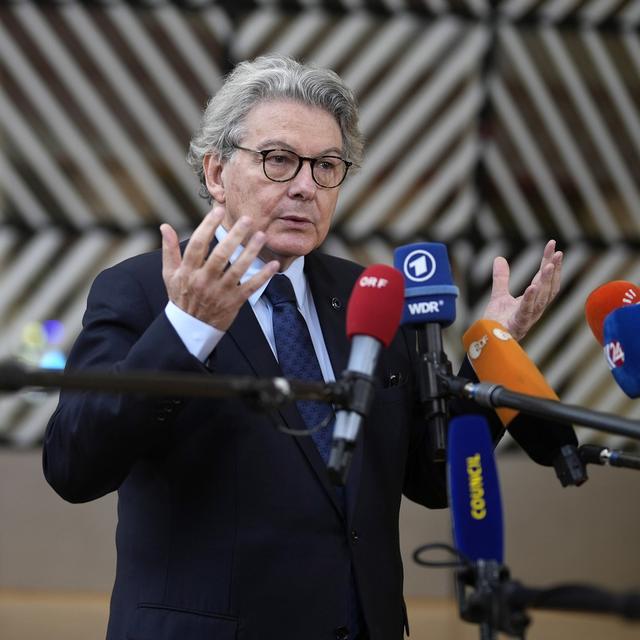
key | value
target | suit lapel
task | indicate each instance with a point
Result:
(250, 341)
(330, 295)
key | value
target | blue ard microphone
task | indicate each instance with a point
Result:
(474, 490)
(429, 292)
(429, 304)
(622, 347)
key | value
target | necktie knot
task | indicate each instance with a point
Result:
(280, 290)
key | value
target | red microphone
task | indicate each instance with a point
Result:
(375, 305)
(373, 316)
(605, 299)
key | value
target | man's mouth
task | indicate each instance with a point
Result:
(296, 219)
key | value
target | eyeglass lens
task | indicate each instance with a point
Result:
(282, 165)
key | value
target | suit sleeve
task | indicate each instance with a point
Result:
(93, 439)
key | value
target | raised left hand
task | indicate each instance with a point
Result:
(519, 314)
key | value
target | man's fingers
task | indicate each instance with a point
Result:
(500, 284)
(545, 286)
(170, 249)
(200, 241)
(256, 281)
(552, 258)
(248, 255)
(523, 317)
(548, 252)
(557, 272)
(220, 256)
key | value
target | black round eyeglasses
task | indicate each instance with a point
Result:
(282, 165)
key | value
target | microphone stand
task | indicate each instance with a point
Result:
(593, 454)
(481, 596)
(267, 392)
(494, 396)
(434, 368)
(488, 597)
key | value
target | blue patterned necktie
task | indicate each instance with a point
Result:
(297, 357)
(298, 360)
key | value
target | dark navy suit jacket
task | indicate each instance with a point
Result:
(228, 528)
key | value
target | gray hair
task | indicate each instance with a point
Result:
(272, 77)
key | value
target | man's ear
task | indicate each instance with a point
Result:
(213, 177)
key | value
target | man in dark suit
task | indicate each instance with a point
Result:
(227, 527)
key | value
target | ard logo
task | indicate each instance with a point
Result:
(419, 266)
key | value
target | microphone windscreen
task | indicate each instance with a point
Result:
(622, 347)
(496, 357)
(603, 300)
(375, 305)
(474, 490)
(430, 295)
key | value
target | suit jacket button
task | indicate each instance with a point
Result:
(354, 536)
(342, 633)
(336, 303)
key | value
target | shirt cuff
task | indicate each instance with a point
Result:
(198, 337)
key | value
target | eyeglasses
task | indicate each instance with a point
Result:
(282, 165)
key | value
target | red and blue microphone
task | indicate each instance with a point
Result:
(621, 334)
(613, 314)
(605, 299)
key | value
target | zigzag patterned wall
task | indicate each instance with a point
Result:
(490, 127)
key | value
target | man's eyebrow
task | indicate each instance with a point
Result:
(274, 143)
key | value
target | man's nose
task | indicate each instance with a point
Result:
(303, 184)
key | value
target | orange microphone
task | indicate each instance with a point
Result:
(498, 359)
(605, 299)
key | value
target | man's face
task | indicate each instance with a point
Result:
(295, 215)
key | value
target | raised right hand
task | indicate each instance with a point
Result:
(197, 281)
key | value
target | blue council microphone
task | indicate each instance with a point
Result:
(622, 347)
(474, 490)
(478, 529)
(429, 304)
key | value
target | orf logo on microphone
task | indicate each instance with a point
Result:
(419, 265)
(373, 282)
